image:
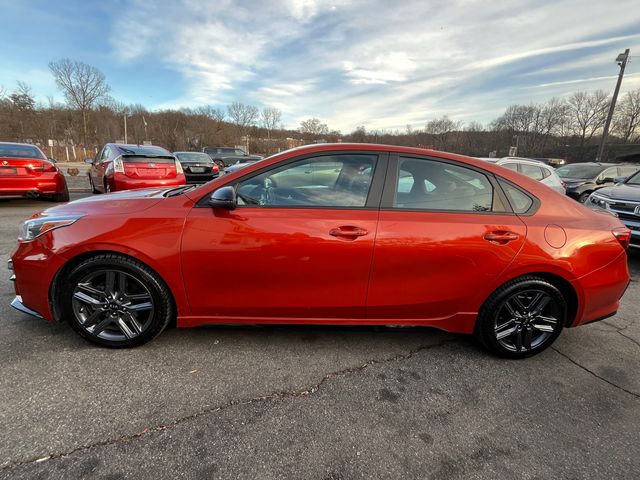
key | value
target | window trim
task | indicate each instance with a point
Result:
(374, 196)
(388, 195)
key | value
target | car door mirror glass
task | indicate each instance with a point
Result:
(606, 180)
(224, 197)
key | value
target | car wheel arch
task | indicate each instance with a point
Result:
(76, 260)
(566, 287)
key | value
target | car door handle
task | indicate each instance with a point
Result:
(348, 232)
(501, 237)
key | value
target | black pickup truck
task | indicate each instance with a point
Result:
(227, 156)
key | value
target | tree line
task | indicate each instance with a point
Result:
(89, 117)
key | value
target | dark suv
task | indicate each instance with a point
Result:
(226, 156)
(623, 199)
(582, 179)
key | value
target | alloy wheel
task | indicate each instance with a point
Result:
(112, 305)
(526, 320)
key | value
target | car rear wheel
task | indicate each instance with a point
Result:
(115, 301)
(521, 318)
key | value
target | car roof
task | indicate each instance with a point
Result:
(525, 161)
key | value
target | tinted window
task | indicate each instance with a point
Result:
(511, 166)
(193, 157)
(326, 181)
(143, 150)
(520, 201)
(433, 185)
(579, 170)
(531, 171)
(10, 150)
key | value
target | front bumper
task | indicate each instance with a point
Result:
(21, 307)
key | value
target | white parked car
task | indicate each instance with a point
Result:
(533, 169)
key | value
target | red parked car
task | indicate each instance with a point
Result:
(124, 167)
(26, 171)
(340, 234)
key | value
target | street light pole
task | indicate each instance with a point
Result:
(622, 62)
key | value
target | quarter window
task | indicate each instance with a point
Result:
(431, 185)
(325, 181)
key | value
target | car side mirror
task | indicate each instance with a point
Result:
(224, 197)
(88, 160)
(606, 180)
(52, 160)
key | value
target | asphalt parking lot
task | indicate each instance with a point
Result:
(314, 402)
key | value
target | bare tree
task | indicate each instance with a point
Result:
(441, 130)
(270, 118)
(589, 111)
(243, 116)
(81, 84)
(313, 126)
(22, 97)
(627, 119)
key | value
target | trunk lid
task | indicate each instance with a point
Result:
(149, 167)
(23, 167)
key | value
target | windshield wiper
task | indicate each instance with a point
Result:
(179, 190)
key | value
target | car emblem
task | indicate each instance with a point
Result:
(152, 165)
(636, 211)
(4, 162)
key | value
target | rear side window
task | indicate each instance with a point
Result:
(531, 171)
(432, 185)
(511, 166)
(520, 201)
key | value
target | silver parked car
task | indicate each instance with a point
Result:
(532, 168)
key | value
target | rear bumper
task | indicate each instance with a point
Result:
(602, 290)
(122, 182)
(201, 177)
(44, 184)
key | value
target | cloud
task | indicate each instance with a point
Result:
(375, 63)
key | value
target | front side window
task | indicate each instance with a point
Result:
(325, 181)
(431, 185)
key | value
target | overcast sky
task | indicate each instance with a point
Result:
(383, 64)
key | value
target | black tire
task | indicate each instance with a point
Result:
(93, 187)
(161, 310)
(60, 197)
(584, 197)
(495, 318)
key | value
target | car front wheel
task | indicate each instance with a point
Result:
(115, 301)
(521, 318)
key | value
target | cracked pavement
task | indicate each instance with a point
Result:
(314, 402)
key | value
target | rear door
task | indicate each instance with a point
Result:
(446, 231)
(292, 249)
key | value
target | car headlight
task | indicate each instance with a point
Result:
(35, 227)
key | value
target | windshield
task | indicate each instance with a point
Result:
(634, 179)
(20, 151)
(580, 170)
(193, 157)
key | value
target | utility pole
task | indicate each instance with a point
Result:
(621, 60)
(125, 128)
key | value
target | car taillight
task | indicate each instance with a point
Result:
(179, 169)
(215, 168)
(118, 165)
(623, 235)
(42, 167)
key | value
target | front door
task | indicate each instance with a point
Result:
(298, 246)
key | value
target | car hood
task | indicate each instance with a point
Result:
(574, 181)
(117, 203)
(622, 191)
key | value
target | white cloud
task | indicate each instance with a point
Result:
(376, 63)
